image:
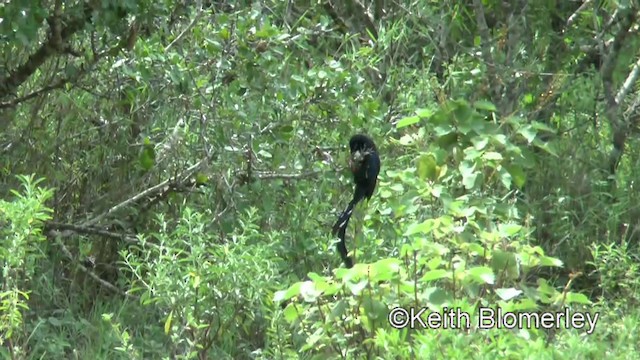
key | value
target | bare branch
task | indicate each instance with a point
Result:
(189, 27)
(84, 69)
(93, 275)
(273, 175)
(88, 230)
(574, 16)
(611, 59)
(628, 83)
(146, 193)
(618, 124)
(17, 77)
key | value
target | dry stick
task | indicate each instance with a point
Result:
(93, 275)
(141, 195)
(189, 27)
(628, 83)
(91, 222)
(574, 16)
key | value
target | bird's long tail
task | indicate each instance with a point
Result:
(340, 228)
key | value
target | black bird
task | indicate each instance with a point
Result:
(365, 167)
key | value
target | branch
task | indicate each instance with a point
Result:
(87, 230)
(10, 83)
(18, 76)
(273, 175)
(145, 193)
(628, 83)
(610, 61)
(84, 69)
(574, 16)
(618, 125)
(93, 275)
(481, 22)
(189, 27)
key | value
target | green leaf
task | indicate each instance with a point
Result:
(469, 179)
(541, 126)
(167, 323)
(505, 178)
(479, 143)
(424, 113)
(485, 105)
(292, 291)
(462, 112)
(508, 230)
(427, 167)
(410, 120)
(576, 298)
(508, 294)
(339, 309)
(374, 309)
(357, 288)
(499, 139)
(505, 263)
(385, 269)
(315, 277)
(482, 274)
(550, 261)
(517, 175)
(309, 292)
(492, 155)
(528, 132)
(435, 275)
(447, 140)
(424, 227)
(437, 297)
(291, 314)
(546, 147)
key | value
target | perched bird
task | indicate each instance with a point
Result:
(365, 167)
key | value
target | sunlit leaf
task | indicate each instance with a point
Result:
(410, 120)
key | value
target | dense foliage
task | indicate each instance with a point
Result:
(171, 172)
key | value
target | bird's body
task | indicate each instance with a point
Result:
(365, 167)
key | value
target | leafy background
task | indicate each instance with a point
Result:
(171, 171)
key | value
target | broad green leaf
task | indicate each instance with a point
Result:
(507, 294)
(309, 292)
(528, 132)
(485, 105)
(437, 298)
(576, 298)
(410, 120)
(550, 261)
(424, 227)
(424, 113)
(517, 175)
(482, 274)
(427, 167)
(435, 275)
(492, 155)
(291, 313)
(293, 290)
(508, 230)
(505, 263)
